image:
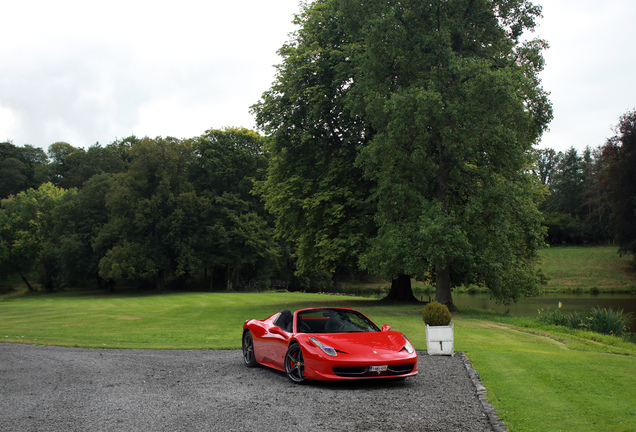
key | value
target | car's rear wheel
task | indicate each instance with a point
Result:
(248, 350)
(295, 364)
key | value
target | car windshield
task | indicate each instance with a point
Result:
(333, 321)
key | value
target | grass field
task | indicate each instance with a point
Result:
(587, 268)
(538, 379)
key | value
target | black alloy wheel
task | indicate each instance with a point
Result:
(248, 350)
(294, 364)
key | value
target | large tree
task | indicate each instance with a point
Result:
(146, 205)
(240, 244)
(78, 220)
(71, 167)
(21, 168)
(401, 137)
(597, 211)
(314, 187)
(545, 167)
(27, 235)
(620, 155)
(567, 184)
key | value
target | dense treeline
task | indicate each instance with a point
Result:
(168, 212)
(576, 211)
(592, 195)
(154, 212)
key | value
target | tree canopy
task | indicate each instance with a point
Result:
(619, 154)
(401, 142)
(21, 168)
(155, 212)
(27, 235)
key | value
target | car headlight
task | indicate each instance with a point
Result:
(326, 349)
(407, 346)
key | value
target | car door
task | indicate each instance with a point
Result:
(276, 339)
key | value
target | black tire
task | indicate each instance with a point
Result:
(294, 364)
(248, 350)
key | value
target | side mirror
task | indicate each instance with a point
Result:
(386, 327)
(278, 331)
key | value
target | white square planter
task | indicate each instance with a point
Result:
(440, 340)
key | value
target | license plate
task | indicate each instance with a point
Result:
(379, 369)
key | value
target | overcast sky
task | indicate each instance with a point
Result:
(86, 72)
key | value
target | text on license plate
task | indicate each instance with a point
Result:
(379, 368)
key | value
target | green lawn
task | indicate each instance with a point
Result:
(538, 379)
(587, 268)
(550, 381)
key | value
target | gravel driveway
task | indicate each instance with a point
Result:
(71, 389)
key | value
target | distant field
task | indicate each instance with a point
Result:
(574, 269)
(577, 268)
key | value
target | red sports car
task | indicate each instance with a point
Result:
(327, 344)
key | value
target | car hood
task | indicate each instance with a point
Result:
(363, 343)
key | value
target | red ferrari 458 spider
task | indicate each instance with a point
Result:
(327, 344)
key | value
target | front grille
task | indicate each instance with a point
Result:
(401, 369)
(363, 371)
(350, 370)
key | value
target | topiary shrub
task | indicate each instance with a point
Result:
(436, 314)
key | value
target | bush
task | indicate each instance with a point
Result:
(436, 314)
(608, 321)
(565, 229)
(555, 318)
(605, 321)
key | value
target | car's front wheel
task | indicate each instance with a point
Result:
(248, 350)
(295, 364)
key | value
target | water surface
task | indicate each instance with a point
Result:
(530, 307)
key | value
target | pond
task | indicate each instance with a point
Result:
(570, 303)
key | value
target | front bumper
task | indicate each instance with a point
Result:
(345, 367)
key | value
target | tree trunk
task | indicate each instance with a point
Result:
(110, 284)
(401, 290)
(442, 285)
(160, 280)
(106, 284)
(236, 280)
(233, 279)
(26, 282)
(442, 269)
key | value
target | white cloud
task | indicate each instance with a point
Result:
(82, 72)
(7, 123)
(589, 68)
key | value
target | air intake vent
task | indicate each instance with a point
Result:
(364, 371)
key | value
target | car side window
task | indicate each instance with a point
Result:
(284, 321)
